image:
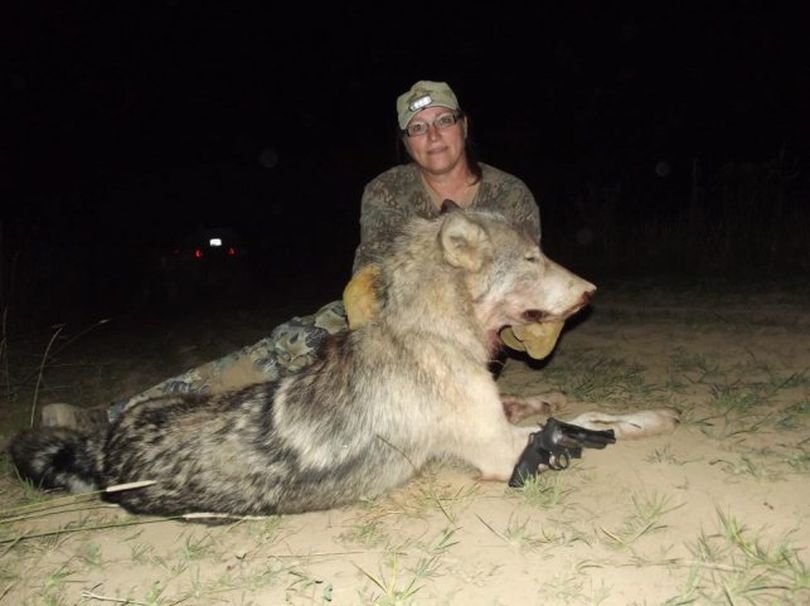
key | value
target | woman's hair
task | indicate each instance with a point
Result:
(470, 152)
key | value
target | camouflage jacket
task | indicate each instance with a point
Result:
(399, 194)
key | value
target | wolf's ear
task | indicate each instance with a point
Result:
(464, 242)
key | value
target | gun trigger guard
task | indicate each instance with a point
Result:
(559, 461)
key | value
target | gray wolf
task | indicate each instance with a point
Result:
(379, 402)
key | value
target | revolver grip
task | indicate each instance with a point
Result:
(530, 459)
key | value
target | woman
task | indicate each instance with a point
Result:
(442, 166)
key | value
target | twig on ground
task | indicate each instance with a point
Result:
(89, 595)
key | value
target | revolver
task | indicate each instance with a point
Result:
(554, 446)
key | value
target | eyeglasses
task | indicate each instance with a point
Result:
(419, 127)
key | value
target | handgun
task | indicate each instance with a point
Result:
(554, 446)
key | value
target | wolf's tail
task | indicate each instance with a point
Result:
(57, 458)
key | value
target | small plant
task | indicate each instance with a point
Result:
(574, 588)
(799, 461)
(394, 590)
(739, 399)
(664, 455)
(794, 416)
(645, 519)
(518, 534)
(546, 490)
(309, 587)
(90, 554)
(746, 466)
(194, 549)
(52, 592)
(735, 565)
(594, 376)
(368, 533)
(695, 362)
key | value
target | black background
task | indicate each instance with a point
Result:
(129, 125)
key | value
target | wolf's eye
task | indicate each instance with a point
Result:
(532, 258)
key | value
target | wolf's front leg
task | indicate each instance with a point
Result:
(633, 425)
(517, 408)
(496, 453)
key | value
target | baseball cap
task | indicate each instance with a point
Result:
(424, 93)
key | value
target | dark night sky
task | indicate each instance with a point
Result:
(133, 121)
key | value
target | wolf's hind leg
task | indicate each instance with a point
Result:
(633, 425)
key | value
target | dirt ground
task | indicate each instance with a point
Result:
(716, 513)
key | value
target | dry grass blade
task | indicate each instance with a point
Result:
(56, 511)
(41, 371)
(491, 529)
(62, 531)
(44, 507)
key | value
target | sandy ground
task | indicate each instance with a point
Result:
(716, 513)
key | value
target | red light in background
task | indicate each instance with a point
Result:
(231, 251)
(198, 254)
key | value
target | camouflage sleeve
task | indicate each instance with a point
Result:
(380, 221)
(512, 197)
(527, 213)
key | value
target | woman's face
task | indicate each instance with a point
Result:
(439, 150)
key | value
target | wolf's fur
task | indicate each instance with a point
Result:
(378, 403)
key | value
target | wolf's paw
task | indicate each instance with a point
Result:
(632, 425)
(518, 408)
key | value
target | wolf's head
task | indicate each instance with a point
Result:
(509, 279)
(466, 274)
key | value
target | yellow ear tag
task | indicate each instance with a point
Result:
(360, 298)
